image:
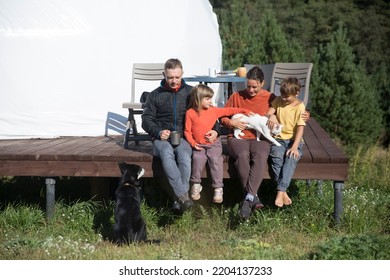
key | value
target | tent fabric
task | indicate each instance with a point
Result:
(65, 65)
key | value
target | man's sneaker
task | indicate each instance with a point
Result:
(218, 195)
(195, 191)
(185, 202)
(245, 209)
(256, 204)
(176, 208)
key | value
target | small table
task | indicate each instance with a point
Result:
(229, 79)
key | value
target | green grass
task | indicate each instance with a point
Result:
(81, 230)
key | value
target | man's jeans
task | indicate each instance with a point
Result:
(176, 162)
(282, 166)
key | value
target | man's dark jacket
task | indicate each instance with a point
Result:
(165, 109)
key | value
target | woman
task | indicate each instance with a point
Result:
(249, 155)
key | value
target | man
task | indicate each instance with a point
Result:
(164, 112)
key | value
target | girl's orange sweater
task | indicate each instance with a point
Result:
(197, 124)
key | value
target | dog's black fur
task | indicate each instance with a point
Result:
(129, 224)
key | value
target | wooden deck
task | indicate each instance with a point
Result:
(99, 157)
(70, 156)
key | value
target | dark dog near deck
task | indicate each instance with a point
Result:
(129, 224)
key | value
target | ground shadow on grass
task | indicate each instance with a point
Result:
(156, 195)
(103, 222)
(22, 190)
(32, 190)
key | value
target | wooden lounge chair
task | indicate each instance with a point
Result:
(302, 71)
(150, 72)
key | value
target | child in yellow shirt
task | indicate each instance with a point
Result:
(286, 110)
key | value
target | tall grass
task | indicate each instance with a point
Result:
(367, 196)
(305, 230)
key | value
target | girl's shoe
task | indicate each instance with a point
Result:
(195, 191)
(218, 195)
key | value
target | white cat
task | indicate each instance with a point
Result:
(258, 123)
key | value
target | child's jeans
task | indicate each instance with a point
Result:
(282, 166)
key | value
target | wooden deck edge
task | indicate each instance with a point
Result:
(336, 172)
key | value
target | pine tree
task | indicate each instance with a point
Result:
(381, 82)
(235, 26)
(254, 38)
(271, 44)
(343, 100)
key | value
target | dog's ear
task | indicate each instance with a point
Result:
(141, 172)
(122, 166)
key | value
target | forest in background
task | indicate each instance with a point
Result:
(348, 43)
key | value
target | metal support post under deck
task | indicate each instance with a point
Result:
(338, 187)
(50, 197)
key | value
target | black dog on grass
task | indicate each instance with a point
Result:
(129, 224)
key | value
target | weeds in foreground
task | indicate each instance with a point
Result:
(305, 230)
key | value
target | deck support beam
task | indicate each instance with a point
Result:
(338, 187)
(50, 197)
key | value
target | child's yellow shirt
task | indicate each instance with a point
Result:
(289, 116)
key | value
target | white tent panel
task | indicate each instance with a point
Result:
(65, 64)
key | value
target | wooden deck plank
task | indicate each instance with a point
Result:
(66, 149)
(101, 149)
(337, 172)
(62, 168)
(97, 146)
(307, 157)
(32, 148)
(336, 154)
(74, 146)
(6, 143)
(82, 151)
(318, 154)
(36, 146)
(308, 171)
(8, 146)
(90, 148)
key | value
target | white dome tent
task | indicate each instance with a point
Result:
(65, 64)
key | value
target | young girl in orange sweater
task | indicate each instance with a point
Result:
(200, 118)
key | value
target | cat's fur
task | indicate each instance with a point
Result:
(258, 123)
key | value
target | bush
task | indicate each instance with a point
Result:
(360, 247)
